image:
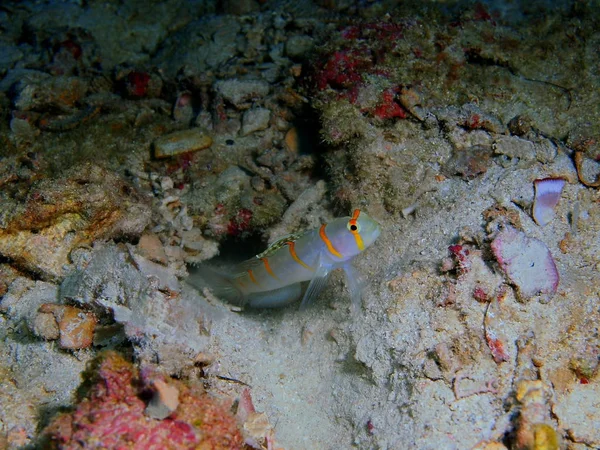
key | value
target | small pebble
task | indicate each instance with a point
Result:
(183, 110)
(166, 183)
(204, 120)
(23, 129)
(298, 46)
(258, 184)
(520, 125)
(255, 119)
(45, 326)
(152, 248)
(292, 140)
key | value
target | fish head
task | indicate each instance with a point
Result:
(350, 236)
(367, 228)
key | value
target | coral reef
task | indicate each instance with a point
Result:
(139, 138)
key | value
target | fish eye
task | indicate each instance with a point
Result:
(353, 226)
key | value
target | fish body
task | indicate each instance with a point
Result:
(273, 278)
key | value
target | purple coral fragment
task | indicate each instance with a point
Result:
(547, 195)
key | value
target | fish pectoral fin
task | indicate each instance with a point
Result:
(316, 285)
(356, 284)
(275, 298)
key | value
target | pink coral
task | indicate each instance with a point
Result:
(112, 416)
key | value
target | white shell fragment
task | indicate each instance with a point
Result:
(547, 195)
(164, 402)
(528, 264)
(179, 142)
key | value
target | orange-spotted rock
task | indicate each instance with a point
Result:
(76, 327)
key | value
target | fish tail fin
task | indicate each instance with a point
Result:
(220, 284)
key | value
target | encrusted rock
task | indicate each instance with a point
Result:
(7, 275)
(113, 411)
(516, 149)
(152, 248)
(469, 162)
(241, 92)
(60, 93)
(85, 203)
(164, 277)
(22, 126)
(108, 280)
(24, 296)
(197, 247)
(145, 298)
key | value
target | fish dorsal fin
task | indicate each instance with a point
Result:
(250, 264)
(276, 245)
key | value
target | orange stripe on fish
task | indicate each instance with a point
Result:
(355, 230)
(251, 274)
(291, 245)
(328, 243)
(268, 268)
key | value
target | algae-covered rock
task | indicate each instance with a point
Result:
(228, 206)
(162, 319)
(58, 215)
